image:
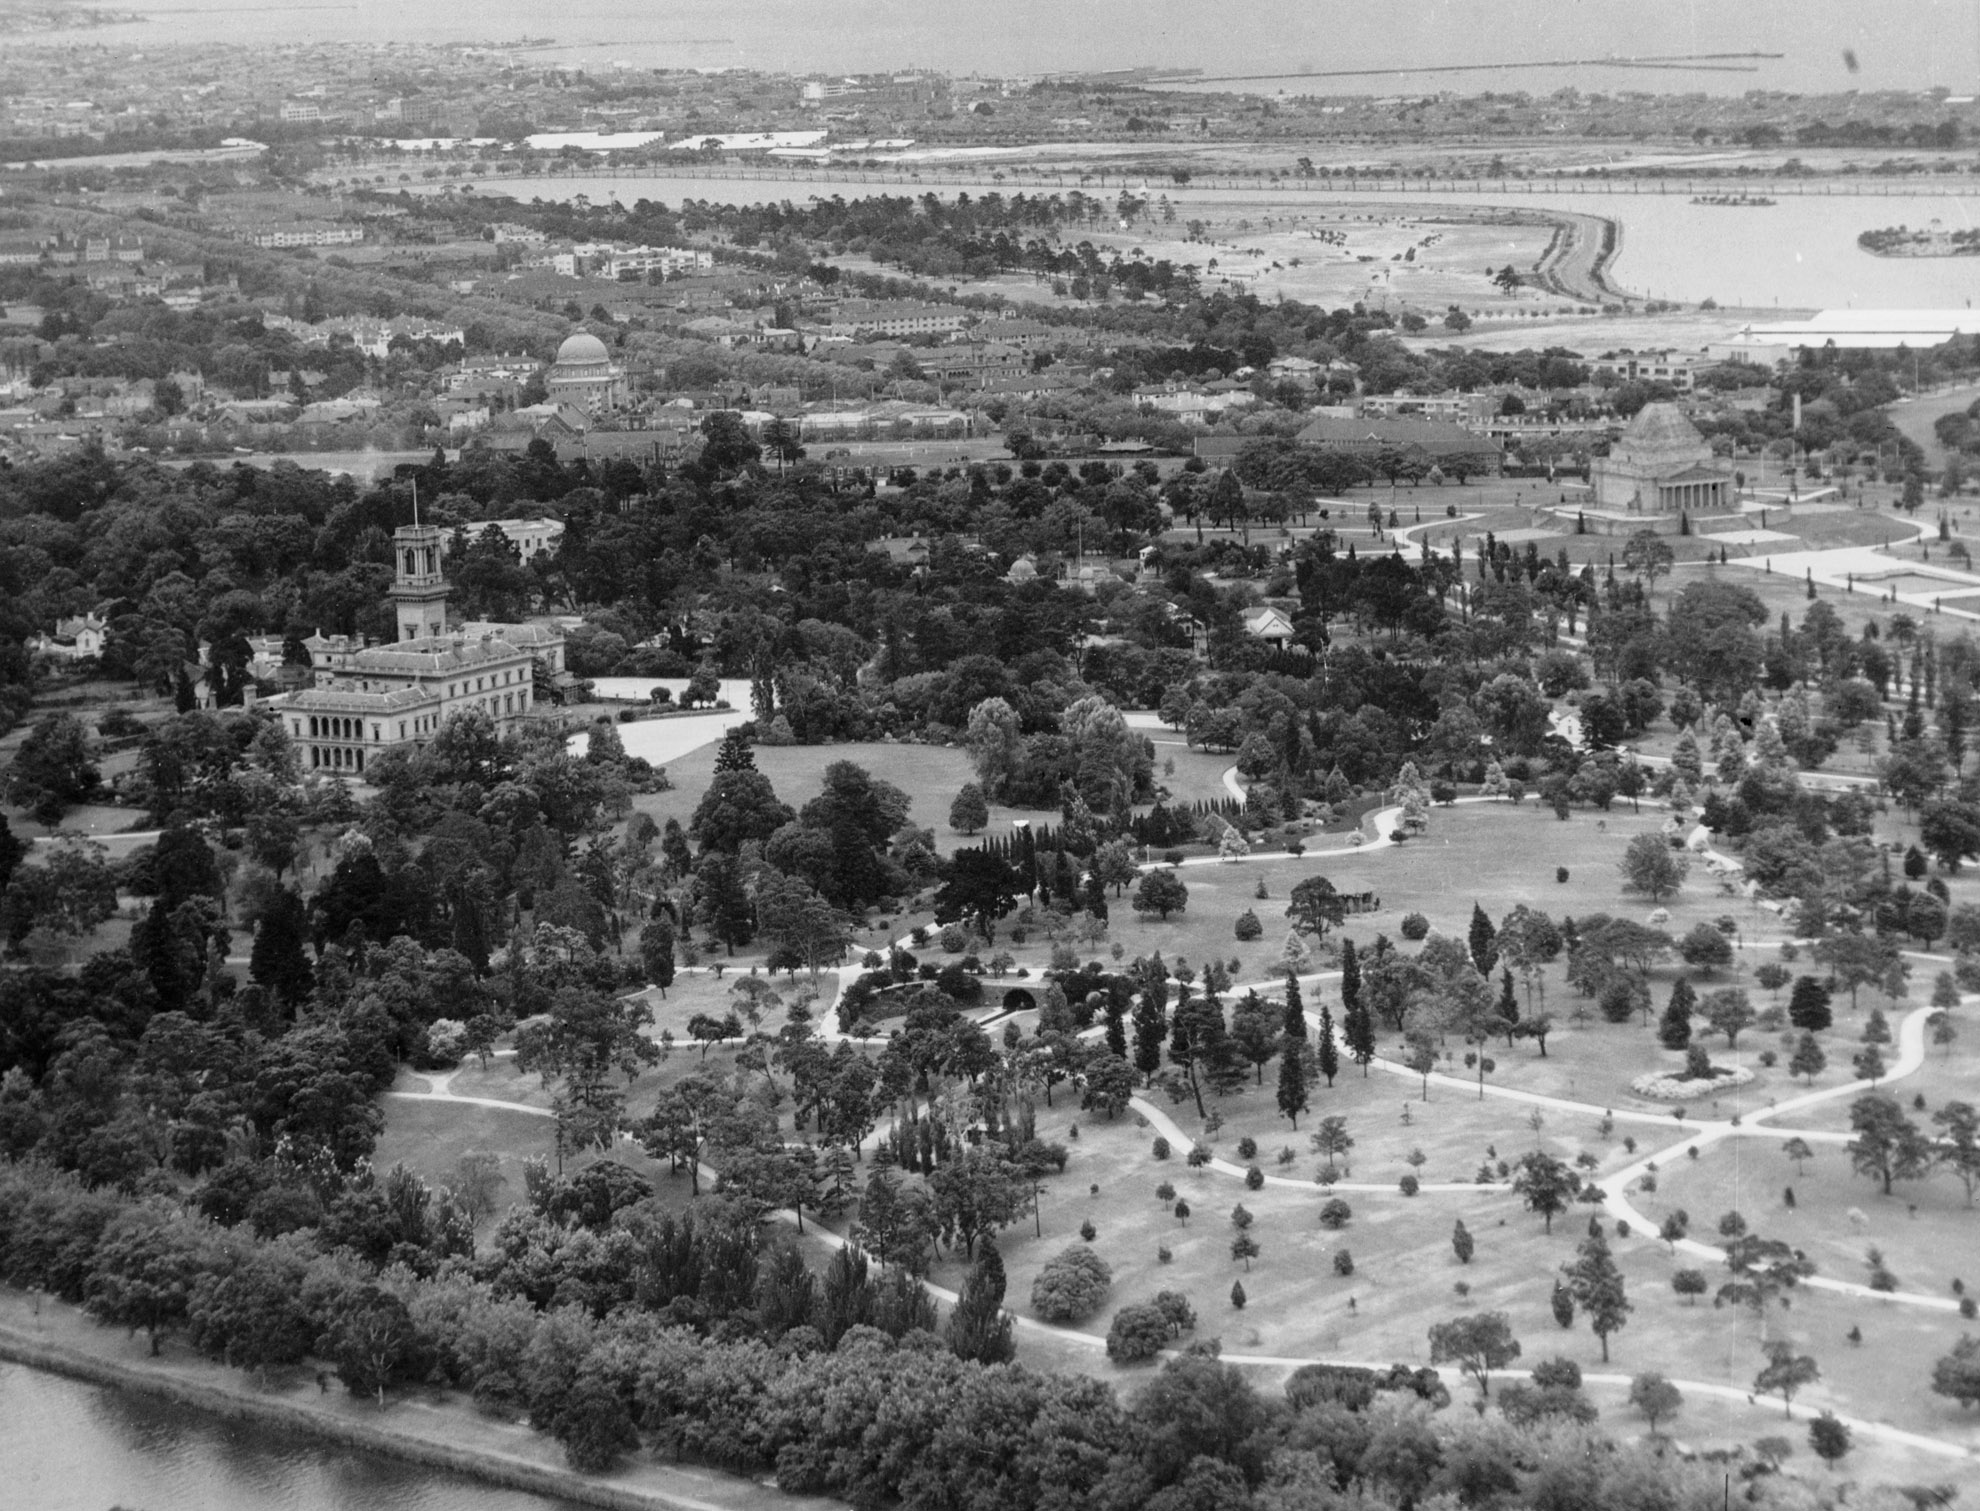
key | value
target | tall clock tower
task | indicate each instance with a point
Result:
(419, 590)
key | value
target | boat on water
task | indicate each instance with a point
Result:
(1734, 201)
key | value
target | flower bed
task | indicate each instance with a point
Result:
(1674, 1087)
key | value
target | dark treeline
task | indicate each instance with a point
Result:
(617, 1327)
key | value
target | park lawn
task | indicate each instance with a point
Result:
(1404, 1280)
(1944, 1077)
(430, 1137)
(931, 776)
(1199, 774)
(1925, 1229)
(1454, 1130)
(702, 991)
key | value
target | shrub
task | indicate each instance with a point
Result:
(1415, 926)
(1248, 927)
(1968, 1308)
(953, 939)
(1336, 1214)
(1409, 1185)
(1161, 1147)
(1247, 1148)
(1254, 1179)
(1343, 1263)
(1087, 1231)
(1557, 1374)
(1138, 1333)
(1561, 874)
(1071, 1286)
(1162, 1254)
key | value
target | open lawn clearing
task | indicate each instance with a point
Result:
(931, 776)
(1926, 1232)
(1405, 1278)
(1943, 1078)
(1496, 854)
(700, 991)
(430, 1136)
(1199, 774)
(1453, 1130)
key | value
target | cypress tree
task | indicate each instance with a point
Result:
(1295, 1026)
(277, 960)
(1508, 1003)
(1483, 942)
(1292, 1081)
(1356, 1026)
(1151, 1031)
(1329, 1050)
(979, 1327)
(1808, 1005)
(1674, 1032)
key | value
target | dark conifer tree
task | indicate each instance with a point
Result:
(979, 1327)
(1483, 942)
(1674, 1031)
(277, 960)
(1329, 1050)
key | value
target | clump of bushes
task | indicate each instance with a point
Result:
(1071, 1286)
(1141, 1332)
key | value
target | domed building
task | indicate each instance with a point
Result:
(585, 376)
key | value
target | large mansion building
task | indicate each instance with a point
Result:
(370, 698)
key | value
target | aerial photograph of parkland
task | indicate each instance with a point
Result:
(1102, 756)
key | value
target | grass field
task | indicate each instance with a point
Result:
(1924, 1228)
(1406, 1276)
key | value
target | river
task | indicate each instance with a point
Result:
(71, 1446)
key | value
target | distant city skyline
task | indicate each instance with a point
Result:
(1904, 44)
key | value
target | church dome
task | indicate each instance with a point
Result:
(583, 349)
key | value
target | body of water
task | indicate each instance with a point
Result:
(1814, 45)
(1799, 253)
(71, 1446)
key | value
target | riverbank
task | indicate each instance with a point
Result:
(430, 1428)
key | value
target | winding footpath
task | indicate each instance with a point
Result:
(1688, 1134)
